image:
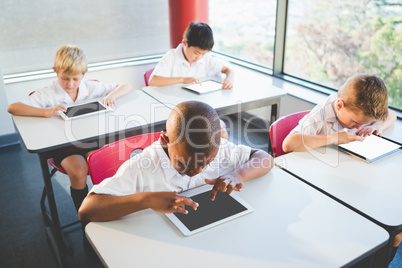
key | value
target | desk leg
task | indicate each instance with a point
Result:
(54, 235)
(274, 113)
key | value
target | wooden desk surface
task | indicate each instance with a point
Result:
(293, 225)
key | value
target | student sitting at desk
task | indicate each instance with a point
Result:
(191, 60)
(70, 64)
(190, 154)
(361, 104)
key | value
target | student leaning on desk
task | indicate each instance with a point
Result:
(361, 104)
(70, 64)
(190, 154)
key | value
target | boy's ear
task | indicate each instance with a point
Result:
(340, 104)
(164, 140)
(184, 42)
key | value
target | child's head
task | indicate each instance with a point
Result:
(70, 64)
(361, 100)
(198, 39)
(192, 136)
(70, 60)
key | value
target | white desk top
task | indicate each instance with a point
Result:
(246, 90)
(373, 189)
(288, 228)
(135, 110)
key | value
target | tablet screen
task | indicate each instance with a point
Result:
(84, 109)
(209, 211)
(204, 87)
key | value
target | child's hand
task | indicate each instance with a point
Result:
(227, 183)
(55, 110)
(169, 202)
(370, 129)
(227, 84)
(346, 137)
(109, 101)
(191, 80)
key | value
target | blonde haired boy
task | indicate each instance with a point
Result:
(70, 64)
(359, 109)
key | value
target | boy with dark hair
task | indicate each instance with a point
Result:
(190, 154)
(190, 61)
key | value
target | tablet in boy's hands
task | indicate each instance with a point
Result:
(82, 110)
(204, 87)
(372, 148)
(209, 213)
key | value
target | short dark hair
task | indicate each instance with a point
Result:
(197, 124)
(199, 34)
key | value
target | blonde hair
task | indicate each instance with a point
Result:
(365, 94)
(70, 60)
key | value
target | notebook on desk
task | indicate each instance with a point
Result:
(84, 109)
(209, 213)
(204, 87)
(372, 149)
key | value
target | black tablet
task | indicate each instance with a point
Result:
(209, 213)
(82, 110)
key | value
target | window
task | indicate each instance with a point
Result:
(244, 29)
(32, 31)
(329, 41)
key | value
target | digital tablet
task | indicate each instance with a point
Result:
(204, 87)
(81, 110)
(373, 148)
(209, 213)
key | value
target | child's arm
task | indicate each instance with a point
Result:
(378, 127)
(160, 81)
(228, 82)
(119, 91)
(19, 108)
(100, 207)
(259, 164)
(296, 142)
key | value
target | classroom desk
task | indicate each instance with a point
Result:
(244, 96)
(373, 190)
(134, 114)
(293, 225)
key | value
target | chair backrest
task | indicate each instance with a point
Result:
(147, 75)
(281, 128)
(104, 162)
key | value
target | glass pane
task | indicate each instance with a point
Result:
(329, 41)
(32, 31)
(244, 29)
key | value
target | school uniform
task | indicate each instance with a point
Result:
(321, 120)
(152, 171)
(54, 95)
(174, 64)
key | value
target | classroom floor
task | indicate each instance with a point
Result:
(23, 241)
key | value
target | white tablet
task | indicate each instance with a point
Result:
(373, 148)
(209, 213)
(204, 87)
(84, 109)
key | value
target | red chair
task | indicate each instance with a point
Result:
(281, 128)
(147, 75)
(104, 162)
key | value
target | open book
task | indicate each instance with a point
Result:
(204, 87)
(372, 148)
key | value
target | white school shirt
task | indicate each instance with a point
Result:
(174, 64)
(152, 171)
(321, 120)
(54, 95)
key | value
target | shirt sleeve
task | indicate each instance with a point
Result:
(232, 156)
(42, 98)
(98, 89)
(165, 65)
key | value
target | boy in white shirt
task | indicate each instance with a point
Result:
(191, 153)
(70, 64)
(191, 60)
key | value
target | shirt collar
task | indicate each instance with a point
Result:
(179, 52)
(82, 92)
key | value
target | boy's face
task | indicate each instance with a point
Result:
(192, 54)
(188, 163)
(69, 83)
(349, 119)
